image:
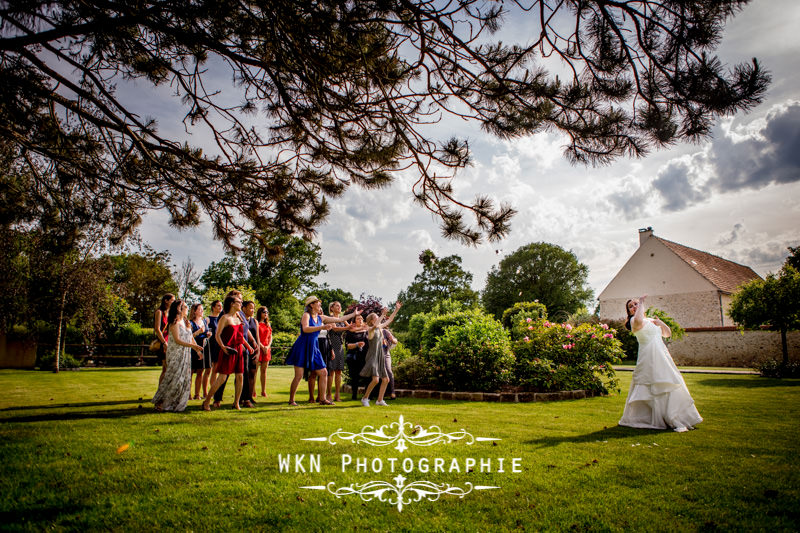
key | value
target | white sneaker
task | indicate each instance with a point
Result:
(365, 402)
(382, 403)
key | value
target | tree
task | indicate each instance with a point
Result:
(794, 257)
(328, 295)
(538, 272)
(773, 302)
(333, 93)
(142, 279)
(280, 269)
(442, 278)
(186, 278)
(52, 284)
(227, 272)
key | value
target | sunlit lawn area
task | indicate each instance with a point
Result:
(60, 436)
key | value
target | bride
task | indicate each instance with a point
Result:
(658, 398)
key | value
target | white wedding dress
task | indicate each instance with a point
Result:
(658, 398)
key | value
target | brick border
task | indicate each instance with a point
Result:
(503, 397)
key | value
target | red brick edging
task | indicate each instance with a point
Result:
(503, 397)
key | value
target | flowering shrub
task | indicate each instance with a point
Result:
(551, 356)
(473, 356)
(532, 310)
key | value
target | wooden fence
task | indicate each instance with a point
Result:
(132, 354)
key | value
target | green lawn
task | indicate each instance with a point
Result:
(60, 436)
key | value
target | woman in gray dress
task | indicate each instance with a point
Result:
(176, 386)
(375, 366)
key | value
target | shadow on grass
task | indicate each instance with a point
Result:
(615, 432)
(756, 383)
(80, 415)
(68, 405)
(145, 408)
(39, 518)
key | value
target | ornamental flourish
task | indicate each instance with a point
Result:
(403, 434)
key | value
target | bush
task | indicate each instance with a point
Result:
(561, 357)
(435, 326)
(519, 310)
(416, 326)
(630, 346)
(47, 361)
(400, 353)
(776, 369)
(677, 331)
(413, 372)
(131, 333)
(472, 356)
(281, 343)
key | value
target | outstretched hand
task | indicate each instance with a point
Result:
(357, 311)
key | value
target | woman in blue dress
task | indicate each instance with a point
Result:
(305, 355)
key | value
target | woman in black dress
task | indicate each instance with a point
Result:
(357, 344)
(201, 364)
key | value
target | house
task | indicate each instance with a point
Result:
(691, 286)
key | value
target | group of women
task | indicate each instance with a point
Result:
(318, 353)
(234, 339)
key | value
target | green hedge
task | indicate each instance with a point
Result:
(473, 356)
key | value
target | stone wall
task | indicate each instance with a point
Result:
(690, 310)
(730, 347)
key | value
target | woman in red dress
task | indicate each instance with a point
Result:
(265, 339)
(230, 338)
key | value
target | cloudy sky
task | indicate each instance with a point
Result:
(736, 195)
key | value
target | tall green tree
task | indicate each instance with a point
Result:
(773, 302)
(329, 294)
(142, 279)
(442, 278)
(541, 272)
(280, 269)
(332, 93)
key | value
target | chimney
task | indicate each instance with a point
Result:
(644, 234)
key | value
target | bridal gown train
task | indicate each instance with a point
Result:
(658, 398)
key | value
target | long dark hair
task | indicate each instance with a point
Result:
(226, 305)
(164, 299)
(173, 311)
(628, 312)
(262, 311)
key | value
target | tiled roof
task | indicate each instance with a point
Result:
(725, 275)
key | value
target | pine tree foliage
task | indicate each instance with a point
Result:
(329, 94)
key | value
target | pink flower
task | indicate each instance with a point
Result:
(568, 346)
(526, 339)
(604, 326)
(569, 336)
(568, 327)
(527, 320)
(608, 336)
(547, 324)
(530, 327)
(594, 336)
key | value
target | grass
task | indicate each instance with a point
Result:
(59, 437)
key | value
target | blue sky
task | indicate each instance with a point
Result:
(736, 195)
